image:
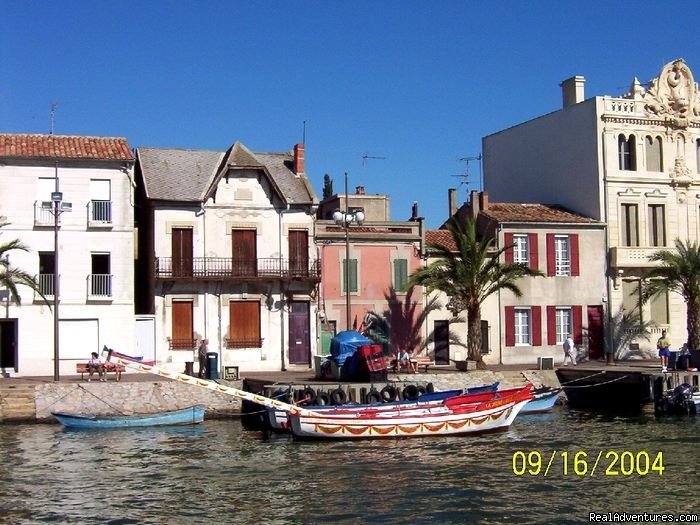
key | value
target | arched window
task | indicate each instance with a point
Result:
(654, 154)
(627, 153)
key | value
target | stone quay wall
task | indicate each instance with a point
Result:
(36, 402)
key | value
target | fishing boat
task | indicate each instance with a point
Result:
(465, 414)
(278, 421)
(544, 401)
(185, 416)
(682, 400)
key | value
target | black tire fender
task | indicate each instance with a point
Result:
(323, 398)
(338, 396)
(308, 395)
(373, 397)
(411, 393)
(388, 394)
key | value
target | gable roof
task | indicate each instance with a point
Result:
(543, 213)
(441, 237)
(190, 175)
(25, 146)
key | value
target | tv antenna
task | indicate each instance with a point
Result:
(52, 115)
(366, 156)
(466, 175)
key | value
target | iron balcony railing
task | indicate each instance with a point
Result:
(99, 285)
(43, 213)
(46, 281)
(234, 268)
(100, 212)
(182, 344)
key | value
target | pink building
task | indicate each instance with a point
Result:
(382, 255)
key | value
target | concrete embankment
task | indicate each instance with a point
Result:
(34, 401)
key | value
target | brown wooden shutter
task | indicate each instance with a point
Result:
(551, 325)
(244, 253)
(551, 256)
(244, 324)
(577, 314)
(299, 253)
(181, 246)
(508, 239)
(573, 247)
(536, 326)
(534, 251)
(182, 330)
(510, 325)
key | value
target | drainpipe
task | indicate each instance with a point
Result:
(609, 357)
(282, 338)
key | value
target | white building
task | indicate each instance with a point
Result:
(95, 260)
(227, 254)
(632, 162)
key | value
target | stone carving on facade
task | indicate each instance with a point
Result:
(681, 175)
(674, 94)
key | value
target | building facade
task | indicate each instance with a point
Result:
(227, 254)
(631, 162)
(90, 247)
(567, 248)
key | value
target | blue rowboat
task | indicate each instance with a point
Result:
(543, 402)
(184, 416)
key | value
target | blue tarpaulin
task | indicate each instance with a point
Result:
(345, 344)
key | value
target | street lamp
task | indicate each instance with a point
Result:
(57, 209)
(345, 219)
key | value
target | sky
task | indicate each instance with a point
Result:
(394, 93)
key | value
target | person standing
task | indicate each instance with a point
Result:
(202, 354)
(569, 350)
(663, 345)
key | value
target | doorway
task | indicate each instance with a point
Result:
(8, 345)
(595, 332)
(441, 334)
(299, 338)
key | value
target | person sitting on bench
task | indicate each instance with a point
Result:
(95, 365)
(403, 358)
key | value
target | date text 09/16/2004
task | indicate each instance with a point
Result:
(581, 463)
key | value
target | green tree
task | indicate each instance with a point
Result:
(678, 271)
(327, 186)
(469, 274)
(10, 276)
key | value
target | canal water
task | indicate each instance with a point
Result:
(219, 473)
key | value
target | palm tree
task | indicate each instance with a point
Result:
(469, 274)
(678, 271)
(11, 276)
(400, 327)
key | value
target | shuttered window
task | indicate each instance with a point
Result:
(353, 275)
(244, 325)
(400, 275)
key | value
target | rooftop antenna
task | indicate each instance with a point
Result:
(52, 114)
(365, 157)
(465, 175)
(303, 134)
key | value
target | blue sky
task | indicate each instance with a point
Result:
(418, 83)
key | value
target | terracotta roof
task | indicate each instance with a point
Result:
(64, 147)
(441, 237)
(517, 212)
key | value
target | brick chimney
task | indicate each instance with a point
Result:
(299, 159)
(452, 201)
(483, 201)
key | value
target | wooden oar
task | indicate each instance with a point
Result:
(211, 385)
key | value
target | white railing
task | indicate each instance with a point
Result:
(43, 213)
(99, 285)
(100, 212)
(46, 281)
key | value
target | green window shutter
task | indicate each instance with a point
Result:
(353, 275)
(400, 274)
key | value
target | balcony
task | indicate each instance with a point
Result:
(182, 344)
(226, 268)
(99, 214)
(43, 214)
(633, 256)
(99, 286)
(46, 281)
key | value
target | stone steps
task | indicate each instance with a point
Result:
(17, 403)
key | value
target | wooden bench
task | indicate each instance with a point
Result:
(422, 360)
(84, 368)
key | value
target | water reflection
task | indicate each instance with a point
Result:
(218, 473)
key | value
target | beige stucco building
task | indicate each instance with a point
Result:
(631, 162)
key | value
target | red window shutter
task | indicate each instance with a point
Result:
(573, 246)
(534, 255)
(510, 325)
(536, 325)
(508, 239)
(577, 314)
(551, 270)
(551, 325)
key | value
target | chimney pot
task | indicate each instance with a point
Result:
(298, 159)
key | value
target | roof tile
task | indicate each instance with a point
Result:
(64, 147)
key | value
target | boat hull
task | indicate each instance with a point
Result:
(442, 420)
(186, 416)
(542, 403)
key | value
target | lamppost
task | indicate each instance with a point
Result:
(345, 219)
(58, 207)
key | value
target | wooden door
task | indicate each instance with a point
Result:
(299, 338)
(182, 330)
(298, 253)
(441, 331)
(244, 253)
(244, 325)
(182, 252)
(595, 332)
